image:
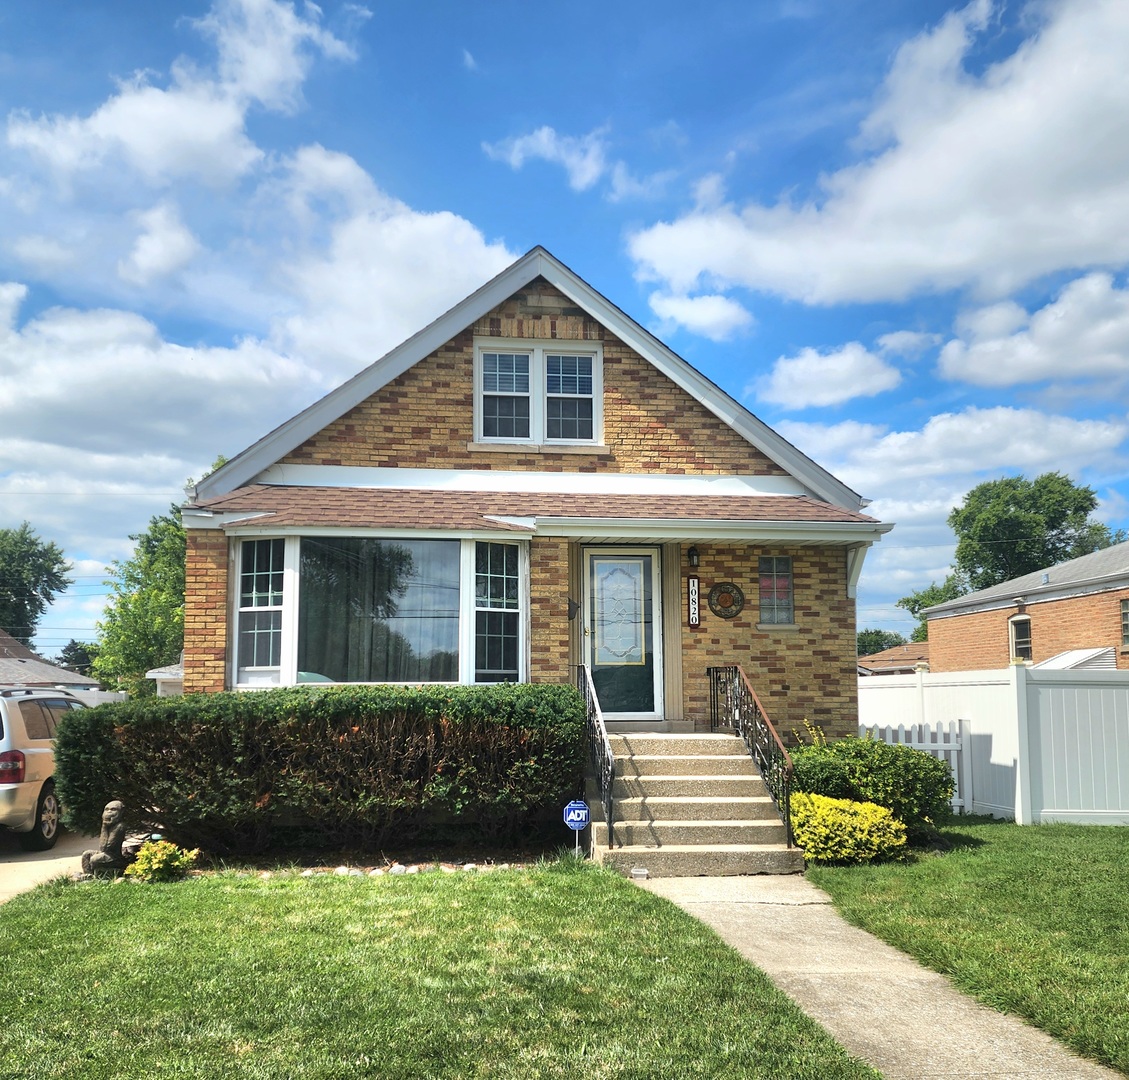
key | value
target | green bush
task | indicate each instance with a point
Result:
(326, 766)
(845, 831)
(913, 784)
(161, 860)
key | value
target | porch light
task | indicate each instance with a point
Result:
(692, 555)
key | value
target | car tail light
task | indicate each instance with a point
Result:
(12, 767)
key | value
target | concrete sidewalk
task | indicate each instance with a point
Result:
(884, 1007)
(22, 870)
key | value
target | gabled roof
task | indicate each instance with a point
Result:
(895, 659)
(1097, 572)
(246, 466)
(19, 666)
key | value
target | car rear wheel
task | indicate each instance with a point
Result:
(46, 829)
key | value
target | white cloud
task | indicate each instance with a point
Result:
(991, 180)
(583, 157)
(715, 317)
(195, 127)
(44, 254)
(1082, 333)
(907, 343)
(958, 449)
(814, 378)
(469, 61)
(163, 247)
(626, 186)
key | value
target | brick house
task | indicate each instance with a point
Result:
(1081, 604)
(531, 483)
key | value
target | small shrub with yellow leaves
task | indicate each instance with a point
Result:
(161, 860)
(843, 831)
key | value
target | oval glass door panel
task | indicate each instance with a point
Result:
(621, 639)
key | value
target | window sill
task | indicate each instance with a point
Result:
(787, 627)
(540, 448)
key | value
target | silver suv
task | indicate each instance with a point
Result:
(28, 805)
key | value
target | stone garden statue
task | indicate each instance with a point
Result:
(109, 855)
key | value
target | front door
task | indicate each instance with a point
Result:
(623, 631)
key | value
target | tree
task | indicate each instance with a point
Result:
(32, 573)
(953, 586)
(1013, 526)
(872, 641)
(78, 656)
(142, 626)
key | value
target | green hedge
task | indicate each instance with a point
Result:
(913, 784)
(238, 773)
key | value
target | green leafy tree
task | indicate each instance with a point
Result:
(1014, 526)
(78, 656)
(872, 641)
(953, 586)
(142, 626)
(32, 573)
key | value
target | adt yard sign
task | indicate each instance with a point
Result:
(576, 815)
(576, 818)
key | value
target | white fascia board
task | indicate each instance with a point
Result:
(264, 529)
(207, 519)
(1041, 594)
(497, 480)
(707, 529)
(247, 465)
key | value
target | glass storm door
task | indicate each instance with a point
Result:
(622, 631)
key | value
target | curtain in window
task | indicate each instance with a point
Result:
(378, 610)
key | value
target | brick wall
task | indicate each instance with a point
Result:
(806, 673)
(425, 417)
(548, 610)
(205, 611)
(980, 640)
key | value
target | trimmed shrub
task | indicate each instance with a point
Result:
(326, 766)
(160, 860)
(912, 783)
(845, 831)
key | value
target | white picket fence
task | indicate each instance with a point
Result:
(943, 740)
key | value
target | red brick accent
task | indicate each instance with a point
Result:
(205, 611)
(980, 641)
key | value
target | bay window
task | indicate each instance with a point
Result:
(348, 609)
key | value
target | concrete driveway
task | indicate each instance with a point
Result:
(22, 870)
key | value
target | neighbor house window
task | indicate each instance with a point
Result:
(537, 393)
(260, 610)
(1019, 630)
(376, 610)
(496, 600)
(1125, 622)
(775, 574)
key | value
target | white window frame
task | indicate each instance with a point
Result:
(537, 351)
(288, 666)
(1012, 623)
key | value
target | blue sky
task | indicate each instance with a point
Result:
(897, 232)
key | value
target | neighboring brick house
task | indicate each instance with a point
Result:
(529, 484)
(897, 660)
(1082, 604)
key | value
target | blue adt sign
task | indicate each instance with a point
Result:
(576, 815)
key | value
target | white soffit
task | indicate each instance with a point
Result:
(246, 466)
(346, 476)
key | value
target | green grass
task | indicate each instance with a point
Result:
(1031, 920)
(562, 970)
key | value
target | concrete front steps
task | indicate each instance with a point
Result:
(689, 806)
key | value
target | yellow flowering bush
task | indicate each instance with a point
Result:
(844, 831)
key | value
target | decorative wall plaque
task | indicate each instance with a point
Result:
(726, 600)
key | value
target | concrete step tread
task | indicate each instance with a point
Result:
(692, 800)
(693, 849)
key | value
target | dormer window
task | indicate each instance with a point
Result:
(538, 393)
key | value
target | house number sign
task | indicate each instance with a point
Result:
(693, 599)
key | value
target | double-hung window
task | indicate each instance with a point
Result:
(1019, 630)
(534, 393)
(1125, 622)
(369, 609)
(260, 611)
(775, 588)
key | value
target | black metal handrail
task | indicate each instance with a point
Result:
(734, 706)
(599, 745)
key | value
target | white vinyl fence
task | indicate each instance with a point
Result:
(1034, 744)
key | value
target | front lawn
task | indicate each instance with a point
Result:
(556, 971)
(1031, 920)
